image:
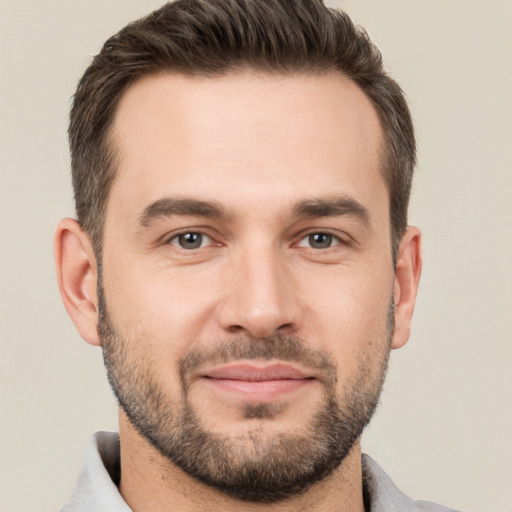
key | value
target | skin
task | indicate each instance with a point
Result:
(257, 145)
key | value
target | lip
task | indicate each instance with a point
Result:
(255, 373)
(253, 382)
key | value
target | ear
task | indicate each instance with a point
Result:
(407, 278)
(76, 267)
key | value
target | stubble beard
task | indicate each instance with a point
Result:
(254, 466)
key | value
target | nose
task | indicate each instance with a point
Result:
(260, 295)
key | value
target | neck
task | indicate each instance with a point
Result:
(151, 483)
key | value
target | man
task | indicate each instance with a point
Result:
(242, 171)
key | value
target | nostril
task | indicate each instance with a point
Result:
(255, 330)
(235, 329)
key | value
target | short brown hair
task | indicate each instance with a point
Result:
(212, 37)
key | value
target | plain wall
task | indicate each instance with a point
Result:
(443, 431)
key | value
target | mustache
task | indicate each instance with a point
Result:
(280, 347)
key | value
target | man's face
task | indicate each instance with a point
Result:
(247, 274)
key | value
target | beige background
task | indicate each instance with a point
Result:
(444, 431)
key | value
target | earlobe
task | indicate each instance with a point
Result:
(407, 277)
(76, 267)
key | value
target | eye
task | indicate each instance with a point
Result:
(319, 241)
(190, 240)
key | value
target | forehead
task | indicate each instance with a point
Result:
(245, 133)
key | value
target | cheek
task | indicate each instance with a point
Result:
(358, 292)
(166, 310)
(347, 312)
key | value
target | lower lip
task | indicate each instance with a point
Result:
(265, 390)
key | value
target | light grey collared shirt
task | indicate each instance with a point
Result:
(96, 489)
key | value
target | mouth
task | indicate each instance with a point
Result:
(253, 382)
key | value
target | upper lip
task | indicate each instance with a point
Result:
(248, 371)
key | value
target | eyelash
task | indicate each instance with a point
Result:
(334, 240)
(176, 237)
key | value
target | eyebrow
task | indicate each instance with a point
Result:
(170, 206)
(308, 208)
(332, 207)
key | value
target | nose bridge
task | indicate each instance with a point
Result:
(260, 298)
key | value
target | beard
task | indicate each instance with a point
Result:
(252, 466)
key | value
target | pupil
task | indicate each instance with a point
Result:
(320, 240)
(190, 240)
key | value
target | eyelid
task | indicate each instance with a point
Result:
(206, 240)
(304, 242)
(340, 239)
(174, 235)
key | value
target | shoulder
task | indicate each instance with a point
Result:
(96, 489)
(382, 495)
